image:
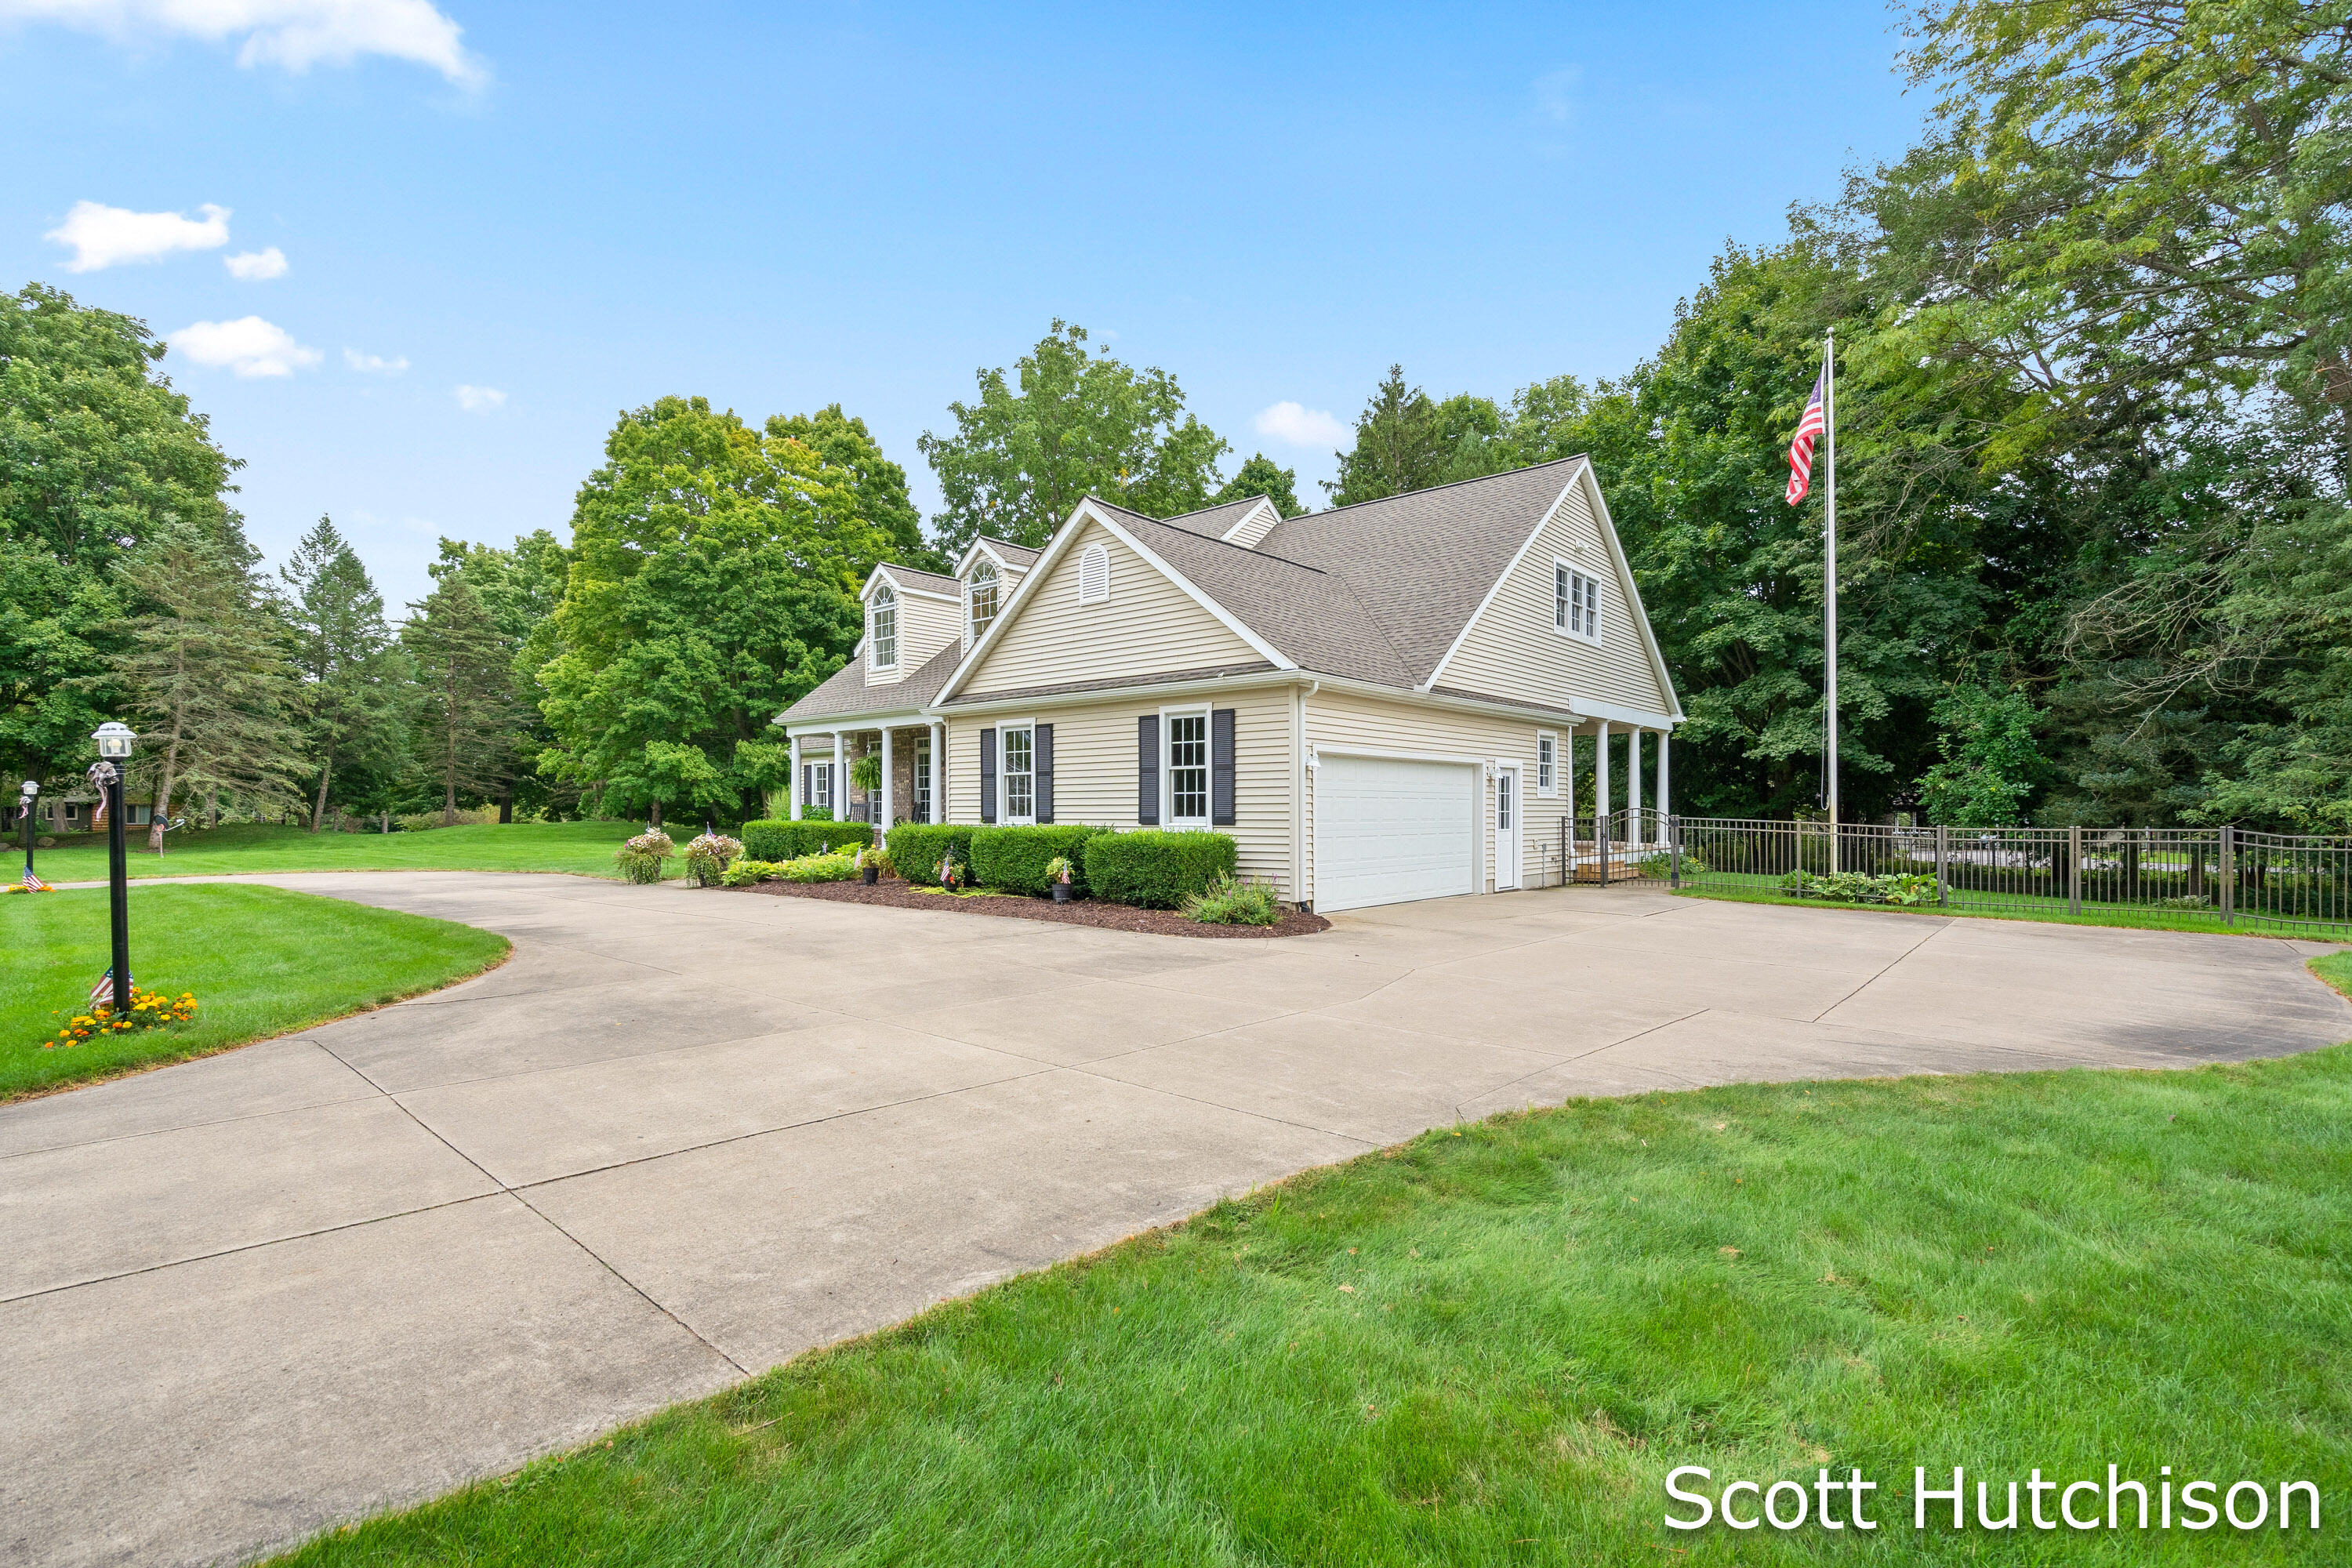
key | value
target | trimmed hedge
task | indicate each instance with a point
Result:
(1155, 868)
(916, 848)
(777, 840)
(1014, 858)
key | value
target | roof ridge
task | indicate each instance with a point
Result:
(1211, 538)
(1448, 485)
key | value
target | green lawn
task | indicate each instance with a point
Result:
(2045, 912)
(261, 961)
(583, 847)
(1491, 1344)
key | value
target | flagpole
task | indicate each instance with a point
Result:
(1829, 574)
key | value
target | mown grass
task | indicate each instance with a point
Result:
(1491, 1344)
(583, 848)
(2049, 913)
(261, 961)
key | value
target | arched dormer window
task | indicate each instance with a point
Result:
(882, 635)
(983, 596)
(1094, 575)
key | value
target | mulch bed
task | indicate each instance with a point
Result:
(1077, 912)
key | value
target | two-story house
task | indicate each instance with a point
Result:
(1376, 701)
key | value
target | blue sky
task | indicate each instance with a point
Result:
(564, 211)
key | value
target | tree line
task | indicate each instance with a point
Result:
(2095, 434)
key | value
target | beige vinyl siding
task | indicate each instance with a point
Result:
(1095, 758)
(925, 626)
(1513, 649)
(1345, 722)
(1149, 626)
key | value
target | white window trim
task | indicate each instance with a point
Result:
(820, 785)
(1092, 552)
(1567, 613)
(1548, 790)
(874, 629)
(1004, 815)
(996, 574)
(1167, 818)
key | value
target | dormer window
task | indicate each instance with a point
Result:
(1094, 575)
(882, 637)
(982, 594)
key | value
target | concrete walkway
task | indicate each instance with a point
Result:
(681, 1136)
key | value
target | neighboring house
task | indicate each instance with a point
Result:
(75, 812)
(1375, 702)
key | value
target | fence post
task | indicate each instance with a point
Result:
(1943, 862)
(1674, 843)
(2228, 873)
(2074, 870)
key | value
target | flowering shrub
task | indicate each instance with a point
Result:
(952, 873)
(149, 1010)
(744, 873)
(641, 858)
(877, 856)
(708, 855)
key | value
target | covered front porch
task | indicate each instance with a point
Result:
(910, 785)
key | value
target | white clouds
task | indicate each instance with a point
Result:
(1301, 426)
(293, 34)
(255, 266)
(479, 399)
(248, 345)
(1556, 94)
(101, 236)
(373, 364)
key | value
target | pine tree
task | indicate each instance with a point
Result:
(209, 670)
(350, 703)
(465, 683)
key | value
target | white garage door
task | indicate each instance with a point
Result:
(1388, 831)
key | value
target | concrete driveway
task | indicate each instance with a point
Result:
(681, 1136)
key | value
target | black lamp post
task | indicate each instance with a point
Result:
(27, 794)
(113, 749)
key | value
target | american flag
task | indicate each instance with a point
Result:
(102, 994)
(33, 884)
(1801, 450)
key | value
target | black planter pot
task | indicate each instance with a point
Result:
(872, 874)
(1061, 892)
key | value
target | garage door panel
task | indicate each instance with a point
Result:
(1388, 830)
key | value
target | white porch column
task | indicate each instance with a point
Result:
(1601, 778)
(939, 770)
(883, 815)
(1663, 806)
(797, 789)
(838, 795)
(1568, 794)
(1633, 791)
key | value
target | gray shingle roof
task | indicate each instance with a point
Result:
(933, 581)
(1016, 555)
(1212, 520)
(1310, 616)
(1420, 564)
(844, 692)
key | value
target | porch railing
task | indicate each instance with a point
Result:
(2300, 883)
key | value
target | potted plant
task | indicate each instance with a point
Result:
(950, 874)
(869, 865)
(1058, 871)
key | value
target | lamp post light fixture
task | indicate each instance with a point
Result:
(114, 741)
(27, 794)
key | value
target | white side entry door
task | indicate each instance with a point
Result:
(1507, 825)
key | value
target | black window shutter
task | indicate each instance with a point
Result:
(988, 775)
(1041, 758)
(1147, 769)
(1221, 766)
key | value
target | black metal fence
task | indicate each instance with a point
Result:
(2274, 881)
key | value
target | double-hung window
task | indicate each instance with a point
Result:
(1017, 775)
(1576, 603)
(883, 641)
(1547, 764)
(922, 771)
(1188, 768)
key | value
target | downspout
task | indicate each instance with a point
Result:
(1298, 787)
